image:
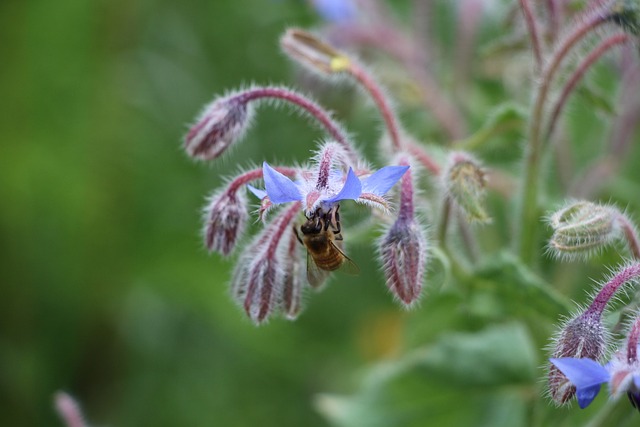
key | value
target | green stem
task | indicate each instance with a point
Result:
(528, 203)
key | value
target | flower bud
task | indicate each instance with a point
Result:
(583, 336)
(626, 14)
(257, 280)
(293, 280)
(312, 53)
(582, 227)
(403, 248)
(68, 410)
(220, 124)
(464, 182)
(259, 277)
(225, 217)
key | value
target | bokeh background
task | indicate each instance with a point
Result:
(107, 292)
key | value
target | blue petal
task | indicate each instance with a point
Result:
(583, 373)
(636, 381)
(335, 10)
(382, 180)
(280, 189)
(586, 395)
(352, 189)
(260, 194)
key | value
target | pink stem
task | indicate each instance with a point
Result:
(579, 73)
(407, 210)
(632, 341)
(533, 30)
(390, 119)
(630, 235)
(608, 291)
(419, 153)
(315, 110)
(254, 174)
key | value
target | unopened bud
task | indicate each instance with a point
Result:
(220, 124)
(583, 227)
(626, 14)
(225, 217)
(260, 274)
(465, 182)
(69, 410)
(403, 248)
(293, 280)
(403, 251)
(312, 53)
(583, 336)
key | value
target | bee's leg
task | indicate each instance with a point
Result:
(337, 236)
(335, 219)
(295, 230)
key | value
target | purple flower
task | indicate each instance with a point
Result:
(329, 186)
(586, 374)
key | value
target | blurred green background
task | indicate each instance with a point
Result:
(108, 293)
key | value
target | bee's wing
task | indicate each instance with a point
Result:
(347, 266)
(315, 275)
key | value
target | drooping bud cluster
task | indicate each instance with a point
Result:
(585, 337)
(260, 280)
(464, 182)
(270, 277)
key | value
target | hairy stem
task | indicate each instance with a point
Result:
(532, 26)
(528, 208)
(577, 75)
(312, 108)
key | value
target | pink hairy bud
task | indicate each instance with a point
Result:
(403, 248)
(583, 336)
(225, 218)
(220, 125)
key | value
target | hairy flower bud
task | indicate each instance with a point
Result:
(220, 124)
(626, 14)
(403, 248)
(68, 410)
(293, 280)
(312, 53)
(464, 183)
(582, 336)
(225, 217)
(260, 274)
(583, 227)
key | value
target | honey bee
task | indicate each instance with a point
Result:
(321, 235)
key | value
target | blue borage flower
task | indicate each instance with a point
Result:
(339, 11)
(587, 375)
(318, 191)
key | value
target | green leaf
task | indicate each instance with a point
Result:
(471, 379)
(519, 288)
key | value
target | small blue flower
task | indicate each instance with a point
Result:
(586, 374)
(339, 11)
(280, 189)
